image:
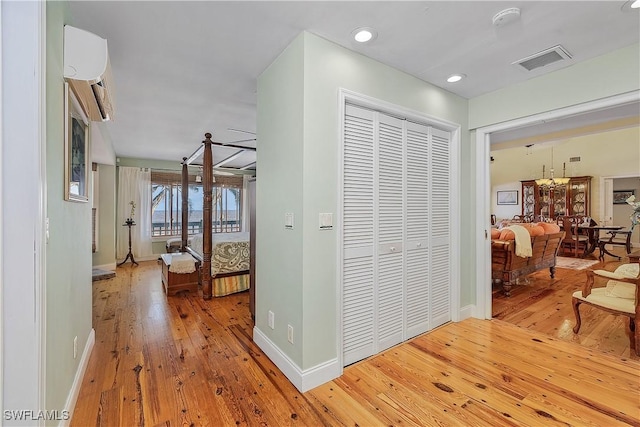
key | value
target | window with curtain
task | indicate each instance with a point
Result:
(166, 204)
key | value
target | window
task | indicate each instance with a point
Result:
(166, 204)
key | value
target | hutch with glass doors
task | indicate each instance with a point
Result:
(562, 200)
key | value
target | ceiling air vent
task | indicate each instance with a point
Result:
(542, 58)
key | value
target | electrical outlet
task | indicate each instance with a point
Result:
(75, 347)
(272, 320)
(290, 333)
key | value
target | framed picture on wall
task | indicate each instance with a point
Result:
(620, 196)
(508, 197)
(76, 149)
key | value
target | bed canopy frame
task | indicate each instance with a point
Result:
(207, 188)
(205, 150)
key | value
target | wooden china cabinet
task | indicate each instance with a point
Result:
(567, 199)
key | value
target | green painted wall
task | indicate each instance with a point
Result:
(106, 248)
(299, 171)
(611, 74)
(278, 191)
(68, 253)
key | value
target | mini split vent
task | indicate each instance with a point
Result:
(543, 58)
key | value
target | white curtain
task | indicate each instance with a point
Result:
(134, 186)
(246, 215)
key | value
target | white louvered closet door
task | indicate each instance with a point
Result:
(390, 227)
(396, 231)
(417, 229)
(440, 233)
(358, 235)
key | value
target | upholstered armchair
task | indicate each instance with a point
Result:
(620, 295)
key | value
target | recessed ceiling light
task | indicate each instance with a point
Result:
(635, 4)
(456, 78)
(364, 34)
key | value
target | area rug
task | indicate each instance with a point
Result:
(574, 263)
(98, 274)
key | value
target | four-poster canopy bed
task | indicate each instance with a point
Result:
(224, 257)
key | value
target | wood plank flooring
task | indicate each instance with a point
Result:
(543, 305)
(184, 361)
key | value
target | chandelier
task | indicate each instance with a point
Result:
(552, 182)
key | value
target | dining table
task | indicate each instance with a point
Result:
(593, 234)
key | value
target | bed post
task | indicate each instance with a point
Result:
(185, 204)
(207, 184)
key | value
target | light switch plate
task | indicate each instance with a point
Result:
(325, 221)
(288, 221)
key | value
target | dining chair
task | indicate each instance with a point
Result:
(572, 237)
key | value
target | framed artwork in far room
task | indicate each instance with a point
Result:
(620, 196)
(507, 197)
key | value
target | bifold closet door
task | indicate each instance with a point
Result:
(396, 231)
(389, 224)
(358, 310)
(417, 229)
(440, 228)
(428, 228)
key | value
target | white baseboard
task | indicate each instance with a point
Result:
(72, 398)
(108, 267)
(303, 380)
(467, 311)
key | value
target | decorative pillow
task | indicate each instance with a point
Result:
(549, 228)
(533, 229)
(507, 235)
(495, 233)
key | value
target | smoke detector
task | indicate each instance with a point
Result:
(505, 16)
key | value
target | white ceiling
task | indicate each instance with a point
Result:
(185, 68)
(581, 124)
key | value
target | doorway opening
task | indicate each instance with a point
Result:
(483, 183)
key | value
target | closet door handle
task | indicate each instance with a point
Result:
(392, 248)
(419, 244)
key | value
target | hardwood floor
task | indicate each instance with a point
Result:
(542, 304)
(185, 361)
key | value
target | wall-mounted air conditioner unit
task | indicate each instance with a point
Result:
(87, 69)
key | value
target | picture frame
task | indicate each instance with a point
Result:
(620, 196)
(507, 197)
(76, 149)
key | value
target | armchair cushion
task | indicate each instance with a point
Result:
(617, 289)
(598, 297)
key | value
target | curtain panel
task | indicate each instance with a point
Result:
(134, 186)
